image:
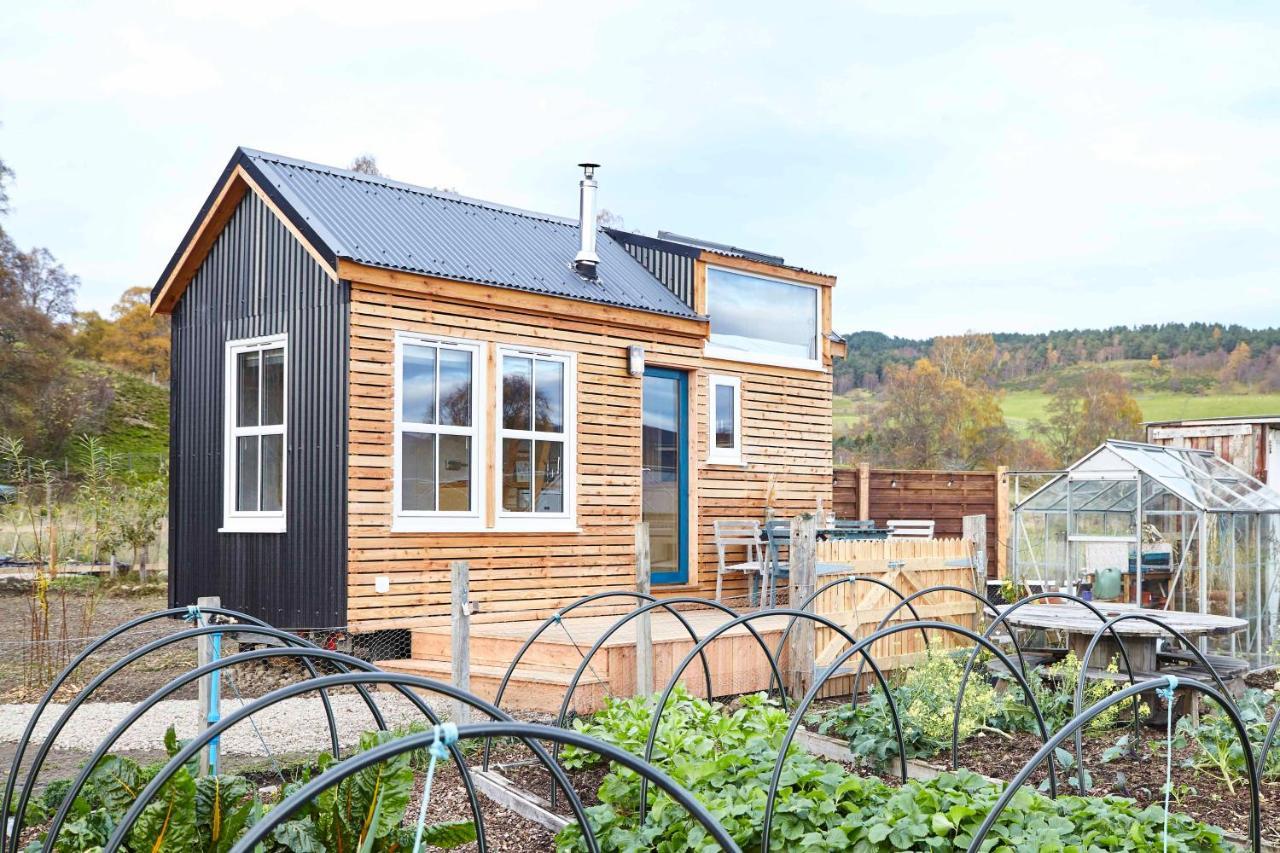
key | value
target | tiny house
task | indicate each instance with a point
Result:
(373, 379)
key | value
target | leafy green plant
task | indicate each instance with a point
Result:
(208, 814)
(821, 806)
(364, 811)
(925, 701)
(1054, 689)
(1218, 750)
(689, 726)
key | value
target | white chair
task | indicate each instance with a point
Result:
(731, 533)
(910, 529)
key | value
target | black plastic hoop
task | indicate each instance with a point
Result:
(804, 605)
(56, 684)
(1083, 718)
(996, 623)
(745, 620)
(527, 731)
(1084, 669)
(860, 647)
(191, 748)
(42, 753)
(343, 660)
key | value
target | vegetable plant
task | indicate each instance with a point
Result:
(925, 700)
(208, 814)
(822, 806)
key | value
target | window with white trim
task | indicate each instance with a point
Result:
(255, 453)
(536, 436)
(437, 434)
(724, 420)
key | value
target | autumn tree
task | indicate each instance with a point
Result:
(969, 358)
(1237, 365)
(1088, 410)
(927, 420)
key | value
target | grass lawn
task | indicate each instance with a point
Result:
(1021, 407)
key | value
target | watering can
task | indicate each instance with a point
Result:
(1106, 584)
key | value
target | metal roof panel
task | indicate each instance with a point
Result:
(383, 223)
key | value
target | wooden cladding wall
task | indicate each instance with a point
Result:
(945, 497)
(515, 575)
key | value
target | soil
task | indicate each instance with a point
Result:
(1140, 776)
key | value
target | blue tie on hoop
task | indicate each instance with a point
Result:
(1166, 693)
(445, 736)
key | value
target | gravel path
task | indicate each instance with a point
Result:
(294, 725)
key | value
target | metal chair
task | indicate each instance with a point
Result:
(777, 533)
(731, 533)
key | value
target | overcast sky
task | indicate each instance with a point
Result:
(981, 165)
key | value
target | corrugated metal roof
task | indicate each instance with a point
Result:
(383, 223)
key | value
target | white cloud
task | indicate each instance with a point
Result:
(1004, 165)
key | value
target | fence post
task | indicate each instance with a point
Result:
(644, 626)
(975, 532)
(208, 650)
(460, 622)
(801, 583)
(864, 491)
(1003, 541)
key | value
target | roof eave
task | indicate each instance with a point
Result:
(240, 175)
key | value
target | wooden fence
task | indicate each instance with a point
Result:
(908, 566)
(944, 497)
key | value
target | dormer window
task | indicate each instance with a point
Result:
(763, 320)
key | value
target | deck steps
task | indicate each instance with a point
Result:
(531, 688)
(548, 665)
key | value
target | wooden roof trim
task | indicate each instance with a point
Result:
(748, 265)
(224, 205)
(506, 297)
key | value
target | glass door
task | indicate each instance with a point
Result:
(664, 454)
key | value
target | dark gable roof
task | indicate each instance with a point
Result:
(384, 223)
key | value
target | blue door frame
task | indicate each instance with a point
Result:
(675, 567)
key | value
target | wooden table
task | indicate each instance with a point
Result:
(1140, 637)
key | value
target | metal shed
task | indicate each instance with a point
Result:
(1185, 529)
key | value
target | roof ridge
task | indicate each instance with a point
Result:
(391, 183)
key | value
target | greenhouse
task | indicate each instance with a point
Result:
(1159, 527)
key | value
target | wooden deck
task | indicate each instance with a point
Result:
(738, 665)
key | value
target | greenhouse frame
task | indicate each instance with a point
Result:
(1184, 529)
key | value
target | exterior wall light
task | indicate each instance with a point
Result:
(635, 360)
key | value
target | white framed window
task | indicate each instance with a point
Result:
(255, 456)
(724, 420)
(536, 439)
(763, 320)
(439, 415)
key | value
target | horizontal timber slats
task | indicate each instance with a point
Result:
(944, 497)
(786, 422)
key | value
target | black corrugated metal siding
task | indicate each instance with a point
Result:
(259, 280)
(670, 263)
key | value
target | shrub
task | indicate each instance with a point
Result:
(926, 710)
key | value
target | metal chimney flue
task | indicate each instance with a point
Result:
(586, 261)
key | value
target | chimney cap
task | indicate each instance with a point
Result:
(589, 168)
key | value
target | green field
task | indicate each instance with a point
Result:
(1022, 407)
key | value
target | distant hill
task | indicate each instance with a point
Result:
(135, 423)
(1174, 371)
(1189, 349)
